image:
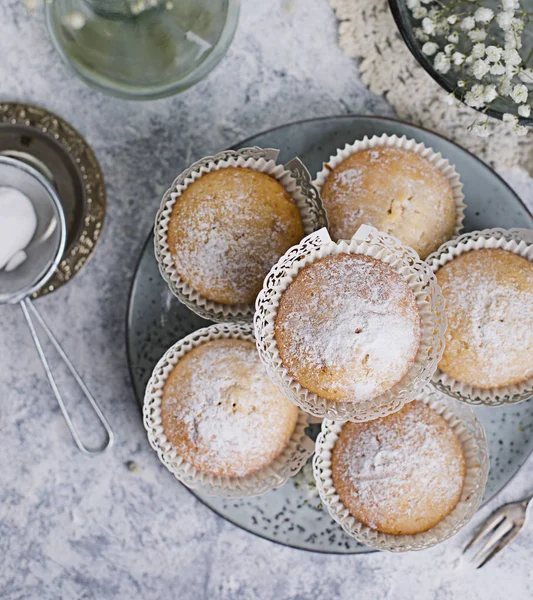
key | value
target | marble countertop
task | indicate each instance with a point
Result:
(79, 528)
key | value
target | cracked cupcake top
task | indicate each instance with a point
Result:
(395, 190)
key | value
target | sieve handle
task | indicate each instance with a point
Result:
(27, 308)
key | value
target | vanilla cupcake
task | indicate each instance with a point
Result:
(396, 185)
(227, 229)
(350, 330)
(489, 304)
(348, 327)
(216, 420)
(222, 413)
(401, 474)
(223, 224)
(406, 481)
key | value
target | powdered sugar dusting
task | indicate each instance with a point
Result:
(234, 226)
(222, 412)
(395, 190)
(349, 326)
(489, 303)
(401, 472)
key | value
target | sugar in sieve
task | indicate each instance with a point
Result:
(43, 255)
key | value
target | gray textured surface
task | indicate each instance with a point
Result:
(72, 527)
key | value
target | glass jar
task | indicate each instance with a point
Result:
(142, 49)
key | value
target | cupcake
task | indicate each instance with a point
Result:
(226, 220)
(222, 413)
(401, 474)
(348, 327)
(405, 481)
(350, 330)
(217, 421)
(489, 304)
(395, 185)
(227, 229)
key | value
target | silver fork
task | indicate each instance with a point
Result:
(498, 530)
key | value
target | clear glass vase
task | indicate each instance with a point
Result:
(142, 49)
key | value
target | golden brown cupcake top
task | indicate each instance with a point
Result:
(348, 327)
(489, 304)
(395, 190)
(222, 413)
(401, 474)
(228, 229)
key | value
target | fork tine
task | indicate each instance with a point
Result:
(494, 539)
(507, 538)
(486, 527)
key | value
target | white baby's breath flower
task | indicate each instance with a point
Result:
(442, 63)
(497, 69)
(461, 83)
(453, 38)
(420, 12)
(420, 35)
(484, 15)
(478, 50)
(490, 93)
(448, 49)
(480, 69)
(517, 25)
(412, 4)
(477, 35)
(429, 48)
(510, 4)
(505, 20)
(493, 53)
(441, 27)
(521, 130)
(519, 93)
(505, 86)
(475, 97)
(428, 25)
(510, 119)
(458, 59)
(524, 110)
(512, 41)
(526, 75)
(452, 19)
(511, 57)
(469, 23)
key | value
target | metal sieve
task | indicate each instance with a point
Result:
(43, 256)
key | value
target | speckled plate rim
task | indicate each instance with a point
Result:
(91, 180)
(149, 241)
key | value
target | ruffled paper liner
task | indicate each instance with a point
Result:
(434, 158)
(470, 432)
(518, 241)
(416, 273)
(286, 465)
(293, 176)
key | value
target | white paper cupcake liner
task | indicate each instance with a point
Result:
(293, 176)
(286, 465)
(403, 260)
(470, 432)
(519, 241)
(434, 158)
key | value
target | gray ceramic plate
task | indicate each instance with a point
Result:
(291, 515)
